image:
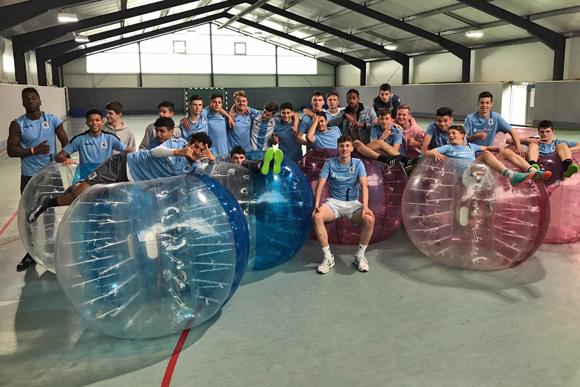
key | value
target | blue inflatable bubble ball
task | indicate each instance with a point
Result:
(278, 208)
(152, 258)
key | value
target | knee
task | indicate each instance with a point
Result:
(561, 146)
(357, 144)
(485, 155)
(317, 218)
(533, 146)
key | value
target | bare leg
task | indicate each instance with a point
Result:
(533, 152)
(508, 154)
(489, 159)
(365, 150)
(325, 214)
(77, 189)
(563, 152)
(368, 224)
(382, 145)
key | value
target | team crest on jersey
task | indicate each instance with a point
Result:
(45, 125)
(248, 120)
(351, 170)
(186, 169)
(391, 107)
(491, 121)
(104, 145)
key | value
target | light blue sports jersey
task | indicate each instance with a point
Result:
(438, 138)
(328, 139)
(94, 150)
(343, 180)
(261, 133)
(396, 136)
(155, 143)
(306, 123)
(199, 126)
(32, 134)
(144, 166)
(464, 152)
(241, 134)
(494, 123)
(549, 149)
(217, 130)
(292, 150)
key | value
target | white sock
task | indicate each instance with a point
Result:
(326, 251)
(508, 173)
(362, 249)
(532, 169)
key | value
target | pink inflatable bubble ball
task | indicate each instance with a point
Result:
(386, 188)
(564, 202)
(501, 139)
(473, 219)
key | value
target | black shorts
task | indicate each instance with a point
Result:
(113, 170)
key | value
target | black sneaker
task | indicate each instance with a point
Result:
(411, 164)
(26, 262)
(39, 209)
(393, 160)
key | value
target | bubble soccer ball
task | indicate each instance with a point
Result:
(564, 204)
(473, 227)
(385, 193)
(151, 258)
(38, 238)
(277, 208)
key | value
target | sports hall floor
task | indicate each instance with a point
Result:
(407, 322)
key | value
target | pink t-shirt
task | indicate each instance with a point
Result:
(416, 133)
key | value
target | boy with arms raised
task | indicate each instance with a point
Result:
(345, 175)
(459, 149)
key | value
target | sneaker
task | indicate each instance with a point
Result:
(41, 206)
(361, 262)
(541, 175)
(278, 157)
(411, 164)
(572, 169)
(26, 262)
(268, 157)
(521, 177)
(536, 166)
(326, 265)
(392, 161)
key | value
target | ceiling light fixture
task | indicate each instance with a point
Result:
(391, 47)
(82, 39)
(474, 34)
(67, 17)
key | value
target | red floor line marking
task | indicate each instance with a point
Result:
(13, 240)
(173, 360)
(8, 223)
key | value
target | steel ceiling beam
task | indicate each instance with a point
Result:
(459, 50)
(554, 40)
(14, 14)
(361, 64)
(395, 55)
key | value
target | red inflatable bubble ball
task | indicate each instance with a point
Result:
(564, 201)
(386, 188)
(464, 215)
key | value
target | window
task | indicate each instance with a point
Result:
(179, 47)
(240, 48)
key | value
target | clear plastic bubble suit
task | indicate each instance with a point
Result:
(151, 258)
(386, 188)
(278, 208)
(38, 237)
(564, 203)
(466, 216)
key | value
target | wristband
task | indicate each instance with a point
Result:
(32, 150)
(175, 152)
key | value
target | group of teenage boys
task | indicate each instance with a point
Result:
(170, 150)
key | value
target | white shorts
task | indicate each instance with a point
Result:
(343, 209)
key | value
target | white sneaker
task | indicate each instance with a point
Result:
(361, 262)
(326, 265)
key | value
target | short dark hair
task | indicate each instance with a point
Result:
(115, 106)
(332, 93)
(321, 114)
(164, 122)
(344, 138)
(286, 105)
(90, 112)
(459, 128)
(317, 94)
(384, 112)
(385, 87)
(216, 95)
(167, 104)
(545, 124)
(201, 137)
(27, 90)
(237, 150)
(195, 97)
(271, 107)
(353, 91)
(485, 94)
(444, 111)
